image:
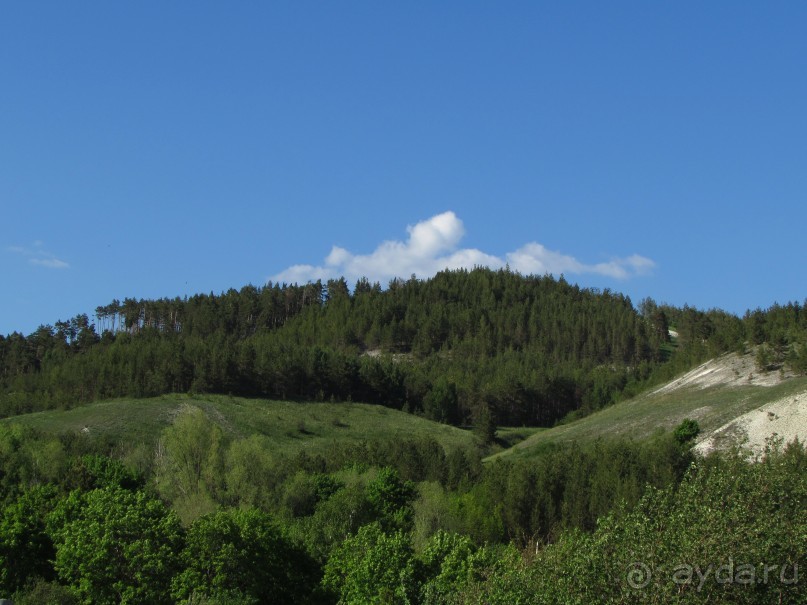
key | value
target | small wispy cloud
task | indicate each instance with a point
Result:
(39, 256)
(50, 263)
(433, 245)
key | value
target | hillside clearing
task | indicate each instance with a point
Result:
(291, 426)
(716, 394)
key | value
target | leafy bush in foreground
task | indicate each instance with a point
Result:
(733, 532)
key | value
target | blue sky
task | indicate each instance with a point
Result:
(162, 149)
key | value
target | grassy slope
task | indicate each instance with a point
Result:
(314, 427)
(645, 414)
(291, 426)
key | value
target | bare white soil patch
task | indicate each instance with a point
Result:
(396, 357)
(784, 418)
(731, 370)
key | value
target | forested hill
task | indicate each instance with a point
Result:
(463, 347)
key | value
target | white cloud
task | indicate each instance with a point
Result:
(37, 255)
(534, 258)
(50, 263)
(432, 246)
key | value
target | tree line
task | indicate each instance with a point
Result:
(460, 347)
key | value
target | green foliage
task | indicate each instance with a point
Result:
(222, 598)
(115, 546)
(337, 517)
(604, 386)
(372, 567)
(447, 561)
(190, 462)
(28, 458)
(763, 358)
(391, 499)
(569, 486)
(252, 472)
(16, 467)
(92, 471)
(242, 554)
(26, 550)
(534, 348)
(300, 495)
(526, 344)
(303, 492)
(485, 424)
(710, 540)
(43, 592)
(565, 526)
(432, 513)
(466, 574)
(440, 403)
(798, 359)
(686, 431)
